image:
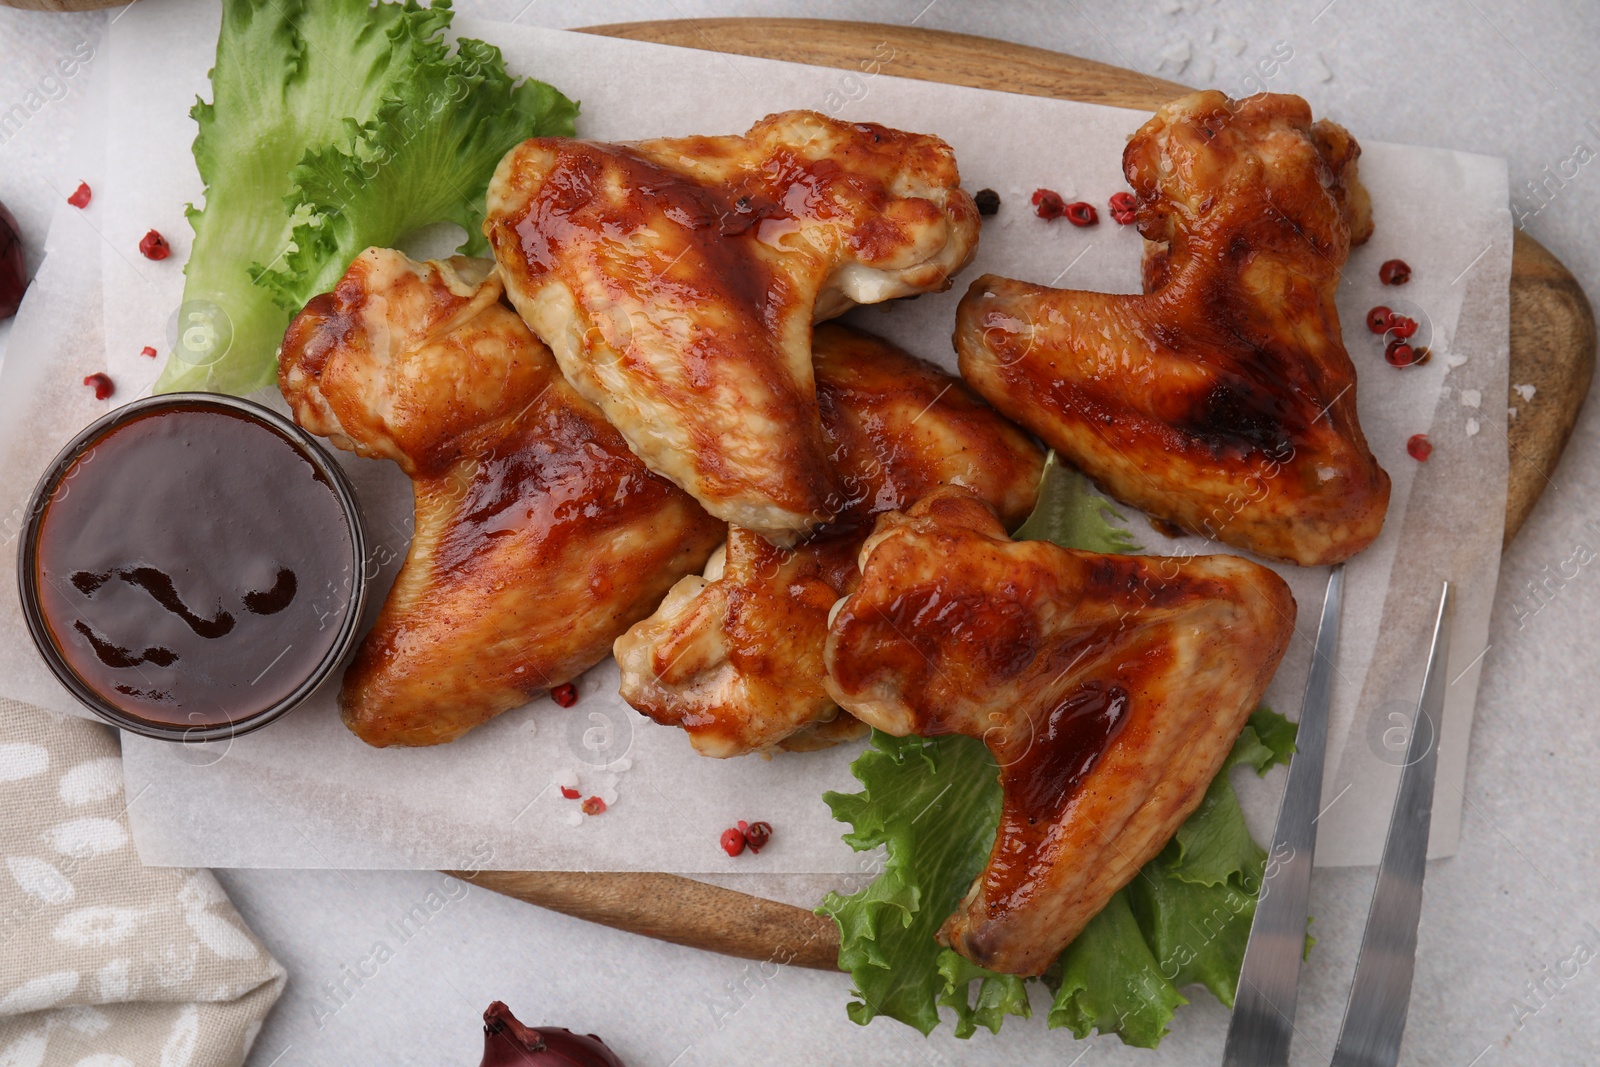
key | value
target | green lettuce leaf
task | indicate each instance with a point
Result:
(999, 995)
(1214, 845)
(1196, 933)
(1073, 515)
(1109, 980)
(928, 801)
(1195, 901)
(933, 806)
(305, 95)
(425, 159)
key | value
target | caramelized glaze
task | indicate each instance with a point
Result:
(538, 536)
(1221, 400)
(1108, 688)
(735, 656)
(677, 282)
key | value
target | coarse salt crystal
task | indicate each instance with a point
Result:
(1453, 360)
(1472, 427)
(574, 818)
(1525, 391)
(566, 778)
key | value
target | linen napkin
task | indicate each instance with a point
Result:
(105, 962)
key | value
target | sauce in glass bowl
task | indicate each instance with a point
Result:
(192, 566)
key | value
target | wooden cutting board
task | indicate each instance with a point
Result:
(1552, 347)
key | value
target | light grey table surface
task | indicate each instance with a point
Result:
(1515, 80)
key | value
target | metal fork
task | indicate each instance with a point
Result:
(1380, 993)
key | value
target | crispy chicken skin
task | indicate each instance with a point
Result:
(677, 281)
(539, 537)
(735, 656)
(1108, 688)
(1222, 399)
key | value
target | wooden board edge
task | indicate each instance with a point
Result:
(1550, 313)
(907, 52)
(673, 908)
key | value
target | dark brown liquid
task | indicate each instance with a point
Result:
(194, 567)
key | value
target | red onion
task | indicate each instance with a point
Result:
(13, 276)
(507, 1043)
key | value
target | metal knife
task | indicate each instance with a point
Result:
(1263, 1009)
(1380, 995)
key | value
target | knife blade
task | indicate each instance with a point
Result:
(1264, 1006)
(1380, 994)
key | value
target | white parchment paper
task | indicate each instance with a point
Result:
(305, 793)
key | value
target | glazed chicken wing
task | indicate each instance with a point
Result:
(539, 537)
(735, 656)
(1222, 399)
(1109, 689)
(677, 281)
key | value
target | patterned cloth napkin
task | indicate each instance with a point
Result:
(105, 962)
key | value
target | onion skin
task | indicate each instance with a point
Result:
(13, 275)
(507, 1043)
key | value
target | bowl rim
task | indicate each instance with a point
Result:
(83, 443)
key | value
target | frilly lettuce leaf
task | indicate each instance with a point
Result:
(1214, 845)
(1109, 980)
(425, 159)
(999, 995)
(933, 805)
(1195, 901)
(306, 96)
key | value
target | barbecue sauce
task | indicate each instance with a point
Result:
(193, 566)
